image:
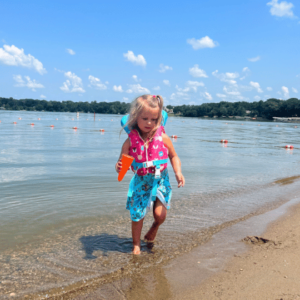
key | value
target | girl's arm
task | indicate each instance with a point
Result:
(174, 159)
(125, 150)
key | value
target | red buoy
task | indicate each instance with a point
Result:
(101, 130)
(15, 123)
(224, 141)
(32, 124)
(51, 125)
(289, 147)
(75, 128)
(174, 136)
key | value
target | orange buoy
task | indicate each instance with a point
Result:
(20, 118)
(289, 147)
(101, 130)
(224, 141)
(126, 160)
(15, 123)
(32, 124)
(174, 136)
(75, 128)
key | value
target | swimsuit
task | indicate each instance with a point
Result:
(151, 179)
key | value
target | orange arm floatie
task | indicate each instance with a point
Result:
(127, 160)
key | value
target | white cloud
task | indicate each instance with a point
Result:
(207, 95)
(196, 72)
(246, 72)
(205, 42)
(166, 82)
(118, 89)
(254, 59)
(282, 9)
(226, 77)
(125, 99)
(137, 89)
(43, 97)
(221, 95)
(156, 88)
(194, 84)
(269, 88)
(73, 84)
(285, 91)
(31, 84)
(232, 91)
(96, 83)
(13, 56)
(135, 78)
(138, 60)
(256, 86)
(257, 98)
(164, 68)
(70, 51)
(294, 90)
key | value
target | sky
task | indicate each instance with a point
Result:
(190, 52)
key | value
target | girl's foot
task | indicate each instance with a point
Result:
(151, 234)
(136, 250)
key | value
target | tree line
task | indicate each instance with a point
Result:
(65, 106)
(265, 109)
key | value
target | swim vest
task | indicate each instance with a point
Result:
(147, 159)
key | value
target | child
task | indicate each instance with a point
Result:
(150, 147)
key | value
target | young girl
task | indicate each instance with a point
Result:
(150, 147)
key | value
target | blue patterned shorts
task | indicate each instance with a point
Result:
(140, 202)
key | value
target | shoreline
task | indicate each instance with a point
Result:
(268, 269)
(192, 274)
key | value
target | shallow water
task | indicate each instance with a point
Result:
(63, 216)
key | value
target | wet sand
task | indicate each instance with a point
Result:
(269, 270)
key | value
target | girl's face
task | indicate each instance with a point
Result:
(147, 119)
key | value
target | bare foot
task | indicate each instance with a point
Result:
(136, 250)
(151, 234)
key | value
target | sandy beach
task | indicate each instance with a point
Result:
(269, 270)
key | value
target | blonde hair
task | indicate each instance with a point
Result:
(137, 106)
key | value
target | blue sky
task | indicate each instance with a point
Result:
(191, 52)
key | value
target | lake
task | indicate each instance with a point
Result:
(63, 216)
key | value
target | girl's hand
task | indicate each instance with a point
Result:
(180, 179)
(118, 166)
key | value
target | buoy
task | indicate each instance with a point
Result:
(39, 118)
(224, 141)
(111, 119)
(56, 119)
(51, 125)
(15, 123)
(295, 126)
(276, 125)
(258, 124)
(72, 119)
(75, 128)
(289, 147)
(126, 160)
(242, 124)
(101, 130)
(32, 124)
(20, 118)
(174, 136)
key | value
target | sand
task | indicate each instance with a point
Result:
(270, 269)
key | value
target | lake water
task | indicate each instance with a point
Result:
(63, 217)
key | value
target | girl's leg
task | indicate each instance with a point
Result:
(159, 214)
(136, 228)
